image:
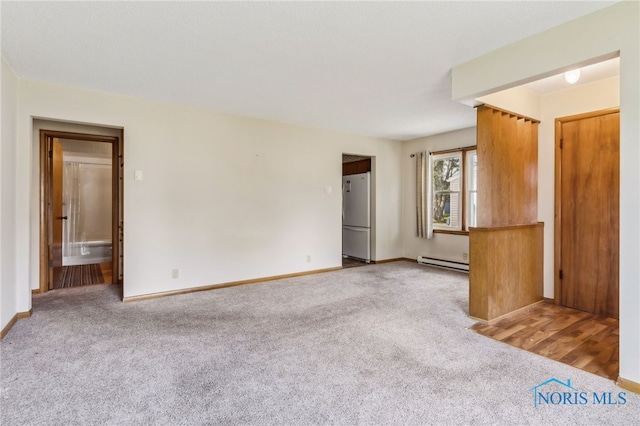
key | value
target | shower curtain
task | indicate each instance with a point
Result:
(73, 240)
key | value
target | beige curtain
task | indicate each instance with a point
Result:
(424, 197)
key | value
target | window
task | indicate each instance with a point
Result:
(472, 188)
(455, 190)
(447, 190)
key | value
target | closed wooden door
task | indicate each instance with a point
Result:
(589, 151)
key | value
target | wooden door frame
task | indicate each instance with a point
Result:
(557, 231)
(117, 199)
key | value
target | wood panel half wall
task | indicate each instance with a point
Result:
(505, 251)
(506, 269)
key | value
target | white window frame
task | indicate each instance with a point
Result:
(471, 173)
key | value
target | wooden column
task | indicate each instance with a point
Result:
(505, 250)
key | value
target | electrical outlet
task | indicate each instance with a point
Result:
(308, 258)
(465, 256)
(175, 273)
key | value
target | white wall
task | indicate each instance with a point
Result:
(441, 246)
(223, 198)
(585, 40)
(8, 305)
(518, 99)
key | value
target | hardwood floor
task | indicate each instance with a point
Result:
(584, 340)
(107, 272)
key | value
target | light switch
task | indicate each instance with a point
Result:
(137, 175)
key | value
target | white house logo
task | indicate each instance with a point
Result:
(556, 392)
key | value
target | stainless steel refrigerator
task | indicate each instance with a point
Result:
(356, 216)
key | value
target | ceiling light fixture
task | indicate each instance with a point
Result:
(572, 76)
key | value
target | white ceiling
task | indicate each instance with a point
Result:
(588, 74)
(373, 68)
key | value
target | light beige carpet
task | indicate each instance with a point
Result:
(385, 344)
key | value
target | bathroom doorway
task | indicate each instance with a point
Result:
(81, 209)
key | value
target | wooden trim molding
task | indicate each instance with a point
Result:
(397, 259)
(80, 136)
(11, 323)
(557, 237)
(628, 385)
(504, 111)
(447, 151)
(508, 227)
(492, 321)
(446, 231)
(591, 114)
(251, 281)
(225, 285)
(44, 221)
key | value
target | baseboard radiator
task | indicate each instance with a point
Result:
(448, 264)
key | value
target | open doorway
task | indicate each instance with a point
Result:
(81, 209)
(357, 223)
